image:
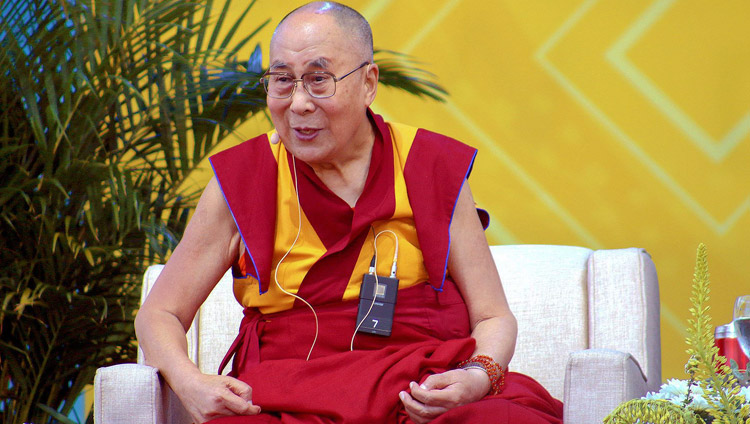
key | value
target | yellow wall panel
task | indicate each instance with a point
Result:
(600, 123)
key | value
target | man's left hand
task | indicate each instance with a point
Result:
(442, 392)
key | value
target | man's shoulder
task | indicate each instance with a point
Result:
(406, 135)
(253, 160)
(254, 145)
(411, 141)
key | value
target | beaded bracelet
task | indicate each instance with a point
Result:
(488, 365)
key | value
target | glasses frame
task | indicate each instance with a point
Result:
(264, 79)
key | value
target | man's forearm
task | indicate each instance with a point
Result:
(496, 337)
(162, 338)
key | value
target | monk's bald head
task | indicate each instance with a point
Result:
(349, 20)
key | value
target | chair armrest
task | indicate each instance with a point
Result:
(135, 393)
(597, 381)
(129, 393)
(624, 307)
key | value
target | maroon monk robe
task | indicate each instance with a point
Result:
(431, 328)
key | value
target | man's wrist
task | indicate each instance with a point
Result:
(494, 371)
(181, 373)
(482, 378)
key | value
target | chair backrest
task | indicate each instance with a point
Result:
(564, 298)
(567, 299)
(546, 290)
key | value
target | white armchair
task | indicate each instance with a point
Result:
(588, 330)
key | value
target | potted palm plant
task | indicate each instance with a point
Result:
(106, 108)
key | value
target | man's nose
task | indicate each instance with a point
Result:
(302, 101)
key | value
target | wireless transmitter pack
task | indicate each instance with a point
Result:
(380, 319)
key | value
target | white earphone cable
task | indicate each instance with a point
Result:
(276, 273)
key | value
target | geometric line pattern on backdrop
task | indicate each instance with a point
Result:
(714, 149)
(375, 8)
(498, 231)
(526, 179)
(719, 227)
(437, 17)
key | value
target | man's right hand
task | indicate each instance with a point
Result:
(212, 396)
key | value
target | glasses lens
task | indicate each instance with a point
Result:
(319, 84)
(278, 85)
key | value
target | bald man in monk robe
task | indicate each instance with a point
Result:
(332, 200)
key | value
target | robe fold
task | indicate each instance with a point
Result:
(413, 183)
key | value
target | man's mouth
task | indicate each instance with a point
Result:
(305, 133)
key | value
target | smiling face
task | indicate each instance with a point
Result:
(322, 131)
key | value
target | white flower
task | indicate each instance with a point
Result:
(745, 391)
(676, 391)
(675, 388)
(655, 396)
(698, 398)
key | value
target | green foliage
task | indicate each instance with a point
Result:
(652, 411)
(106, 107)
(716, 378)
(705, 367)
(397, 69)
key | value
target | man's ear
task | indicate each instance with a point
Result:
(371, 83)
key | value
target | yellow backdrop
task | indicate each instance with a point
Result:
(599, 123)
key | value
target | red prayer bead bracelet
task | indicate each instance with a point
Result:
(492, 368)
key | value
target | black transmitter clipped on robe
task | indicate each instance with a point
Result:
(380, 319)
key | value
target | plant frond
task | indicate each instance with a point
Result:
(706, 365)
(651, 411)
(399, 71)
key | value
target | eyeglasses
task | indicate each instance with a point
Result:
(318, 84)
